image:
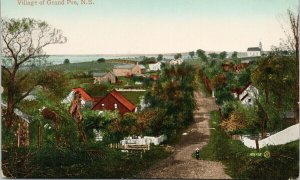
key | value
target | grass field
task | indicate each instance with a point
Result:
(133, 96)
(84, 67)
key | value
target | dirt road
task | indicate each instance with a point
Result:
(181, 164)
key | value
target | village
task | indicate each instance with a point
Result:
(185, 113)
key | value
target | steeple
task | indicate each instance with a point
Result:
(260, 46)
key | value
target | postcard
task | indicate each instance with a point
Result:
(150, 89)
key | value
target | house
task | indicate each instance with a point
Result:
(154, 77)
(226, 66)
(115, 101)
(86, 99)
(128, 69)
(22, 131)
(247, 94)
(104, 78)
(254, 51)
(176, 61)
(155, 66)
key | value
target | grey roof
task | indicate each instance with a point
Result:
(253, 49)
(124, 66)
(18, 112)
(99, 74)
(142, 67)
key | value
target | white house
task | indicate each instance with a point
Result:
(254, 51)
(155, 66)
(86, 99)
(176, 61)
(247, 94)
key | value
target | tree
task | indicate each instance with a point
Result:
(160, 57)
(23, 41)
(223, 55)
(213, 55)
(234, 54)
(100, 60)
(66, 61)
(192, 54)
(294, 43)
(177, 56)
(201, 54)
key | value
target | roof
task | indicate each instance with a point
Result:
(253, 49)
(119, 97)
(84, 95)
(19, 113)
(97, 98)
(240, 91)
(124, 66)
(142, 66)
(129, 105)
(99, 74)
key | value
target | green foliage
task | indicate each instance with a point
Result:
(213, 55)
(177, 56)
(282, 164)
(234, 54)
(173, 93)
(159, 57)
(66, 61)
(223, 55)
(101, 60)
(223, 94)
(148, 60)
(192, 54)
(201, 54)
(96, 89)
(84, 67)
(91, 161)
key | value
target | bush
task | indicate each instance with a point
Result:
(282, 164)
(100, 60)
(66, 61)
(92, 161)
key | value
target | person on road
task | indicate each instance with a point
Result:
(197, 154)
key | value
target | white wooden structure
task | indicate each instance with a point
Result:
(254, 51)
(146, 140)
(285, 136)
(247, 95)
(176, 61)
(155, 66)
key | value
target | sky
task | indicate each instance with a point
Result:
(159, 26)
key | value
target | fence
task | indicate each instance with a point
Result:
(285, 136)
(146, 140)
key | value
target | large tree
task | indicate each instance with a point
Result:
(192, 54)
(160, 57)
(201, 54)
(223, 55)
(22, 42)
(177, 56)
(294, 43)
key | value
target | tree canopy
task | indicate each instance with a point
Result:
(23, 41)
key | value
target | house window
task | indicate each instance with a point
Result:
(116, 106)
(249, 100)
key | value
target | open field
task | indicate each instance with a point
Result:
(84, 67)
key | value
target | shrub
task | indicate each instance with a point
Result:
(282, 164)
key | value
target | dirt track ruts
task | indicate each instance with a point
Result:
(181, 164)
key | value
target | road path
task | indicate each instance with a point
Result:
(181, 164)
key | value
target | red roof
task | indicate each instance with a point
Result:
(84, 95)
(119, 97)
(240, 91)
(154, 77)
(129, 105)
(97, 98)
